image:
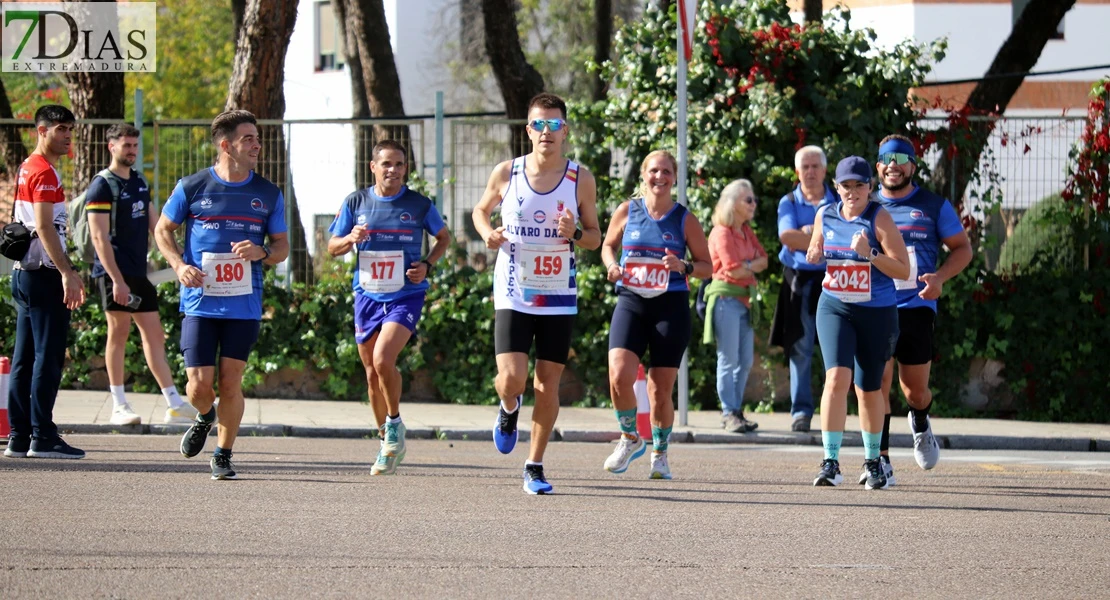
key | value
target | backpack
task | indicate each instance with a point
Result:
(79, 232)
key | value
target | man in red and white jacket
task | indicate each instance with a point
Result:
(45, 287)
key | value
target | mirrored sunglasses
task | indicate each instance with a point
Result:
(552, 124)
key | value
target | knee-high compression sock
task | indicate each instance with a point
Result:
(660, 438)
(884, 443)
(627, 420)
(831, 441)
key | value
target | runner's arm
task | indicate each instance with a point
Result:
(279, 248)
(587, 210)
(959, 257)
(609, 255)
(495, 189)
(816, 251)
(698, 247)
(895, 259)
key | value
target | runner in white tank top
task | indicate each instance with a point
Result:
(548, 208)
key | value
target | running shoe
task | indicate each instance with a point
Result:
(876, 479)
(659, 467)
(392, 451)
(926, 450)
(888, 470)
(17, 447)
(628, 450)
(182, 415)
(193, 440)
(55, 448)
(122, 414)
(830, 473)
(505, 433)
(534, 481)
(222, 467)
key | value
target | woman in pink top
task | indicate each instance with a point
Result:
(737, 257)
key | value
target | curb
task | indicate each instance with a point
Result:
(948, 442)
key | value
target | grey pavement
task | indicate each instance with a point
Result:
(89, 411)
(306, 520)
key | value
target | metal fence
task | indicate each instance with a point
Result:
(317, 163)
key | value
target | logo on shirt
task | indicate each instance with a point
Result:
(539, 216)
(361, 219)
(668, 236)
(137, 210)
(210, 225)
(404, 238)
(256, 204)
(405, 217)
(235, 226)
(206, 203)
(829, 235)
(916, 214)
(410, 317)
(635, 235)
(256, 228)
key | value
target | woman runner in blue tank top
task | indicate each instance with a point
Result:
(652, 314)
(857, 315)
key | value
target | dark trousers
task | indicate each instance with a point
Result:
(42, 324)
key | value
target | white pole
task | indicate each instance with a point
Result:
(684, 367)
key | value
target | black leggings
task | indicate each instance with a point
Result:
(661, 325)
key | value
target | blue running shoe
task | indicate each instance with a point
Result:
(505, 433)
(534, 481)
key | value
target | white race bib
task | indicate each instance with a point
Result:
(544, 267)
(225, 274)
(645, 276)
(381, 272)
(911, 283)
(848, 280)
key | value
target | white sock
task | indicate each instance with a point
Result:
(119, 398)
(173, 399)
(532, 463)
(392, 420)
(519, 401)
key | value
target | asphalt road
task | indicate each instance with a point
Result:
(136, 520)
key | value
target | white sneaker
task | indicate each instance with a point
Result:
(628, 450)
(182, 415)
(926, 450)
(123, 415)
(659, 467)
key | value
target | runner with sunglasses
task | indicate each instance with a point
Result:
(652, 314)
(926, 221)
(543, 198)
(857, 322)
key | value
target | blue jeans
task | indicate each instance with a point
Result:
(801, 360)
(735, 339)
(42, 325)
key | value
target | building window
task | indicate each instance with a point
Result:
(329, 39)
(1018, 6)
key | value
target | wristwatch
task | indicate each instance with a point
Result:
(426, 262)
(874, 253)
(266, 249)
(689, 266)
(577, 234)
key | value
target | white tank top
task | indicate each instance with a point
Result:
(535, 268)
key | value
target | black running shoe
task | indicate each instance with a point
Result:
(17, 447)
(830, 473)
(54, 448)
(876, 478)
(221, 467)
(193, 440)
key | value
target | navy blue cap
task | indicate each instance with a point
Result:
(853, 168)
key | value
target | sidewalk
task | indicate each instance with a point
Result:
(88, 412)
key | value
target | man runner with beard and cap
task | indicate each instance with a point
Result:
(926, 221)
(541, 196)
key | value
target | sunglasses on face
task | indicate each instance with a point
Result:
(749, 200)
(552, 124)
(899, 158)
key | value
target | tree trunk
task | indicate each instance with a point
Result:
(603, 43)
(1021, 51)
(814, 10)
(257, 79)
(10, 139)
(238, 7)
(92, 96)
(360, 103)
(516, 78)
(366, 20)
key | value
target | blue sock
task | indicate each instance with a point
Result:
(222, 451)
(871, 443)
(831, 441)
(660, 438)
(627, 421)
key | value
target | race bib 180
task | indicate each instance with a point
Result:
(225, 274)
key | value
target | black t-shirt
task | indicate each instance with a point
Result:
(132, 221)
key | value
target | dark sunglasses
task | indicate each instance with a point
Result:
(552, 124)
(899, 158)
(749, 200)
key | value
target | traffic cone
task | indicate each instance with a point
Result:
(643, 407)
(5, 374)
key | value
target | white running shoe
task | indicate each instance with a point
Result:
(628, 450)
(659, 467)
(926, 450)
(182, 415)
(123, 415)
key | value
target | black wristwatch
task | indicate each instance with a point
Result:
(425, 261)
(689, 266)
(266, 249)
(874, 253)
(577, 234)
